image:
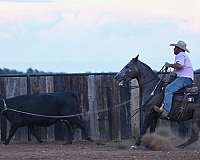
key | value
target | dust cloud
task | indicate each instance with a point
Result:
(164, 140)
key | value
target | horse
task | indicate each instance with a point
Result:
(152, 93)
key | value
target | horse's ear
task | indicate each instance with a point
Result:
(136, 58)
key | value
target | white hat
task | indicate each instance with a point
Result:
(181, 45)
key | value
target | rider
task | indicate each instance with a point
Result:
(183, 68)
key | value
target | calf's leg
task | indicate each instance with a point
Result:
(34, 133)
(12, 131)
(70, 130)
(81, 124)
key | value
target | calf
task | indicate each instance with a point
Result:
(43, 110)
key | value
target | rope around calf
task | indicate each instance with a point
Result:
(67, 116)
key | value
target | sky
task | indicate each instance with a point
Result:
(78, 36)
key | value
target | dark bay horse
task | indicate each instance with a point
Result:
(152, 93)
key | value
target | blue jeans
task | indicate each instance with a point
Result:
(171, 88)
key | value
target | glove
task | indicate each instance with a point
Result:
(167, 64)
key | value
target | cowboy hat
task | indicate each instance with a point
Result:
(181, 45)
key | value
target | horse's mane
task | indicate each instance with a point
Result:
(149, 68)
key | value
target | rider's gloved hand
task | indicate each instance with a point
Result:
(167, 64)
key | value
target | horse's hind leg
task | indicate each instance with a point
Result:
(194, 136)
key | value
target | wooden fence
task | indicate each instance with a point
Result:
(107, 108)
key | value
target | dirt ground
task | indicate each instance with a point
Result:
(89, 151)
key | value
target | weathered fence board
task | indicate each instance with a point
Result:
(102, 108)
(92, 112)
(134, 103)
(42, 84)
(12, 89)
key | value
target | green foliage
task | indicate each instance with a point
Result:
(9, 71)
(13, 71)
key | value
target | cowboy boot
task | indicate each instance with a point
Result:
(163, 113)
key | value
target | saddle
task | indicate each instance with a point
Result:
(187, 94)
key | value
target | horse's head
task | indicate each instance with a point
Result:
(129, 72)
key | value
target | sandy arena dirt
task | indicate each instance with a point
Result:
(89, 151)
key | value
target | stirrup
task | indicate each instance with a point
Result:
(165, 115)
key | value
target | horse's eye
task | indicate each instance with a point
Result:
(129, 70)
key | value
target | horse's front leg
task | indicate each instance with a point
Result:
(154, 123)
(147, 123)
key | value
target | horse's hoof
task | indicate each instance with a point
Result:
(133, 147)
(137, 142)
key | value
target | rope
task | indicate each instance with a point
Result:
(136, 111)
(66, 116)
(40, 115)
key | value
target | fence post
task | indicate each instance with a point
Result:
(3, 120)
(110, 109)
(28, 93)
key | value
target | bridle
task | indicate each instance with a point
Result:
(162, 70)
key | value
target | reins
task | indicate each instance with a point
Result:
(162, 70)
